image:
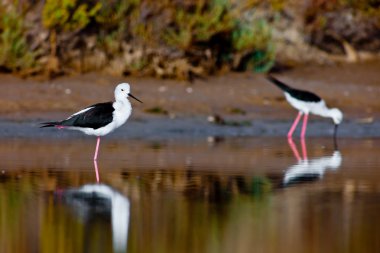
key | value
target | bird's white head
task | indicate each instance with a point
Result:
(123, 91)
(336, 115)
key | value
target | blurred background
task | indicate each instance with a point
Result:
(203, 165)
(183, 39)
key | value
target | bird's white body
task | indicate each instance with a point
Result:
(317, 108)
(121, 114)
(123, 110)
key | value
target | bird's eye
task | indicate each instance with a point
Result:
(122, 89)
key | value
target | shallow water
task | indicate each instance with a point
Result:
(212, 195)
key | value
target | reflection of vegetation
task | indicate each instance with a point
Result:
(31, 219)
(260, 186)
(179, 211)
(199, 186)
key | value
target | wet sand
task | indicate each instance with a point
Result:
(249, 104)
(159, 128)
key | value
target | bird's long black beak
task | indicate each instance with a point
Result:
(335, 134)
(335, 130)
(135, 97)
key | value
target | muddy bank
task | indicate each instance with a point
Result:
(249, 105)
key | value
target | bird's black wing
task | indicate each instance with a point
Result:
(303, 95)
(96, 116)
(297, 94)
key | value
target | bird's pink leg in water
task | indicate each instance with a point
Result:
(96, 171)
(97, 149)
(295, 123)
(304, 125)
(304, 150)
(294, 149)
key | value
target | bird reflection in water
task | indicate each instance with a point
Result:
(309, 170)
(94, 200)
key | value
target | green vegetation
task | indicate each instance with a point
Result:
(200, 25)
(66, 15)
(255, 38)
(14, 52)
(170, 39)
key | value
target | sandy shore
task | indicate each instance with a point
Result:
(249, 105)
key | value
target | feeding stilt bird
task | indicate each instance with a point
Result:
(100, 119)
(306, 102)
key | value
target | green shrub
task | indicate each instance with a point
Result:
(207, 20)
(14, 52)
(67, 15)
(255, 38)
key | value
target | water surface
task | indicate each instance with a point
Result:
(212, 195)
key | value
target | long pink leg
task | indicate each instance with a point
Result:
(97, 149)
(96, 171)
(294, 149)
(304, 125)
(295, 123)
(304, 150)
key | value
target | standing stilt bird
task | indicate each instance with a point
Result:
(306, 102)
(100, 119)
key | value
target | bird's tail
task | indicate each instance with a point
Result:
(278, 83)
(49, 124)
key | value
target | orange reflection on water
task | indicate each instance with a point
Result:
(189, 197)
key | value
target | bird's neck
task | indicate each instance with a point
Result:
(324, 112)
(121, 105)
(329, 113)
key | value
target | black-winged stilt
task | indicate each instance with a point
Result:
(306, 102)
(100, 119)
